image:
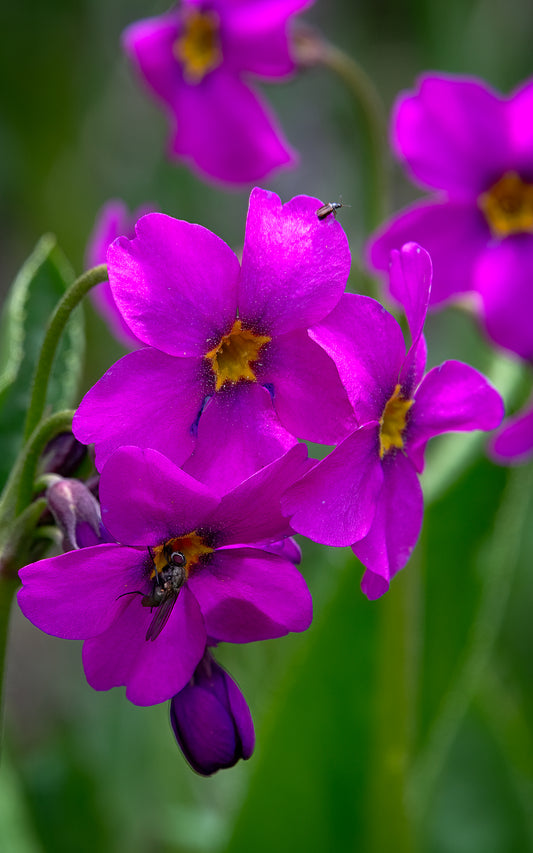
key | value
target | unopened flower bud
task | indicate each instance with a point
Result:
(63, 455)
(77, 514)
(211, 720)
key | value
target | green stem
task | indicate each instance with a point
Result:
(18, 492)
(8, 587)
(15, 551)
(311, 50)
(390, 826)
(71, 298)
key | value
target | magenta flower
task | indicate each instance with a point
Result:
(113, 220)
(366, 493)
(211, 720)
(184, 571)
(229, 362)
(475, 147)
(513, 444)
(198, 60)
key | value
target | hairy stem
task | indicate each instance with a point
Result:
(70, 300)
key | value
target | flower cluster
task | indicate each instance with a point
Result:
(475, 148)
(197, 60)
(203, 477)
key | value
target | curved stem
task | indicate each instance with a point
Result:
(8, 587)
(311, 50)
(13, 554)
(374, 125)
(18, 491)
(69, 301)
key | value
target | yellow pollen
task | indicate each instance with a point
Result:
(191, 546)
(233, 357)
(393, 421)
(198, 47)
(508, 206)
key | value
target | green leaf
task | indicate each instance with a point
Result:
(309, 784)
(34, 294)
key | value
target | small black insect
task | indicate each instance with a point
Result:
(165, 590)
(330, 207)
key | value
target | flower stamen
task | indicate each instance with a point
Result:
(393, 422)
(233, 357)
(508, 206)
(198, 47)
(192, 547)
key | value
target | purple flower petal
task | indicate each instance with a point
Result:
(286, 548)
(175, 284)
(452, 134)
(519, 111)
(247, 595)
(150, 44)
(454, 234)
(366, 344)
(335, 503)
(410, 285)
(514, 443)
(211, 720)
(309, 397)
(395, 528)
(294, 266)
(252, 512)
(452, 396)
(504, 280)
(146, 499)
(151, 671)
(242, 717)
(113, 221)
(76, 595)
(204, 730)
(239, 432)
(255, 36)
(227, 131)
(147, 398)
(413, 368)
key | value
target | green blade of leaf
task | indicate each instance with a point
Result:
(34, 294)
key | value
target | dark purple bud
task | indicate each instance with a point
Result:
(211, 720)
(63, 455)
(77, 514)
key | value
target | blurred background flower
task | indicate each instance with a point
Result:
(403, 719)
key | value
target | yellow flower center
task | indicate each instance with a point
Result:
(233, 357)
(508, 206)
(191, 546)
(198, 47)
(393, 421)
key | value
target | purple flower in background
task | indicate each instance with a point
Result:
(229, 363)
(514, 442)
(198, 60)
(113, 220)
(366, 493)
(184, 571)
(475, 147)
(211, 720)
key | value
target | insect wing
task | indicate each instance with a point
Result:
(161, 616)
(324, 211)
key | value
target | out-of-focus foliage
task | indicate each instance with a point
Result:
(388, 724)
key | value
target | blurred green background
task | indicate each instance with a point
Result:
(398, 725)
